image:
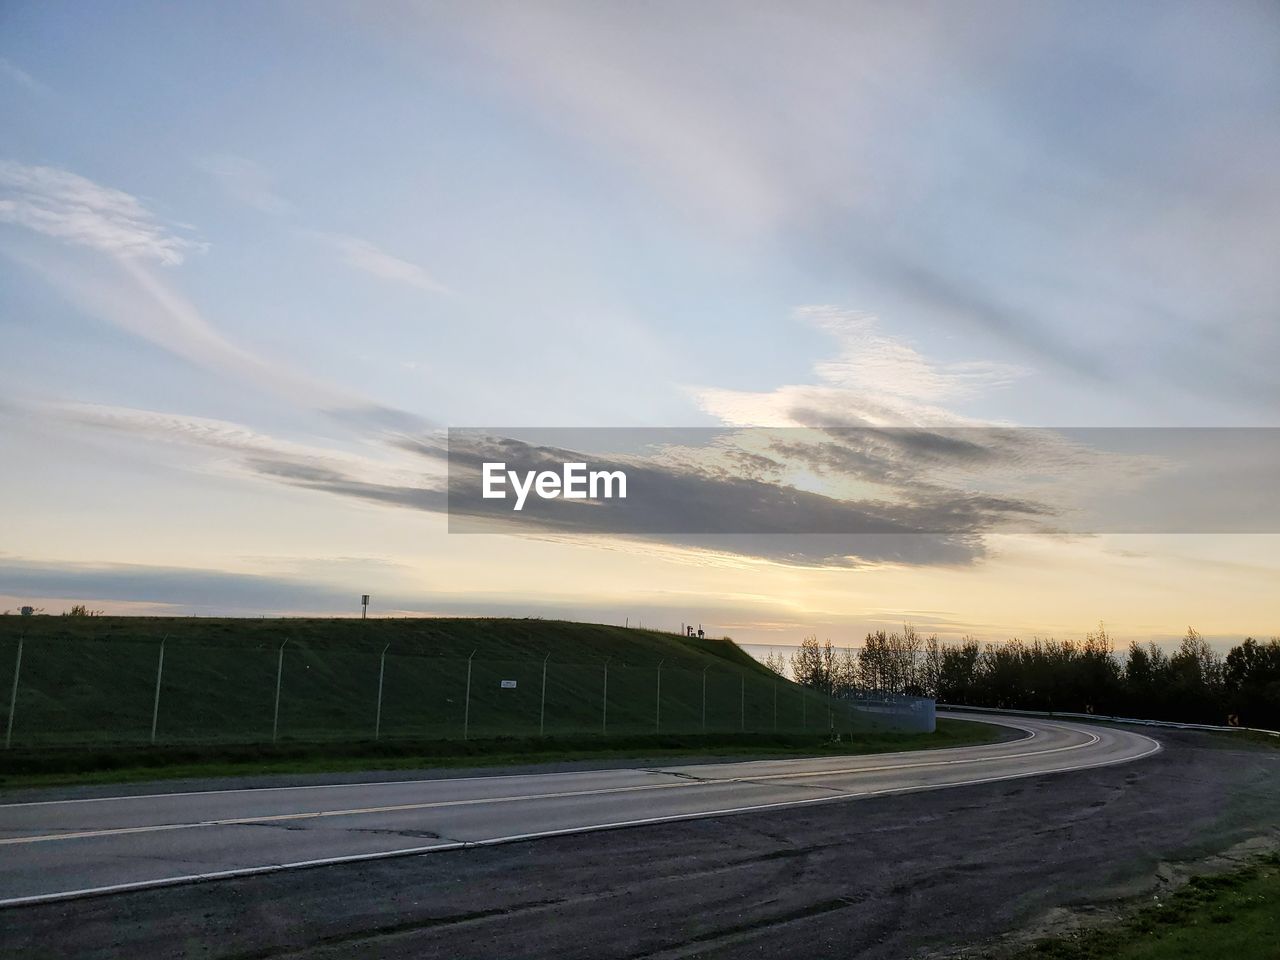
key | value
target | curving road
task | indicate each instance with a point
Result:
(60, 849)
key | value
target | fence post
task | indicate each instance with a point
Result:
(155, 705)
(466, 710)
(804, 710)
(704, 697)
(657, 710)
(275, 720)
(775, 706)
(604, 701)
(382, 670)
(542, 712)
(13, 694)
(742, 723)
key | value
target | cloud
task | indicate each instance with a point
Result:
(360, 254)
(1068, 189)
(875, 496)
(310, 587)
(873, 380)
(131, 295)
(879, 364)
(204, 591)
(414, 496)
(786, 526)
(246, 182)
(21, 77)
(394, 422)
(586, 69)
(251, 184)
(696, 494)
(951, 487)
(78, 211)
(257, 454)
(676, 96)
(127, 291)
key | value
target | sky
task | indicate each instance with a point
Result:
(256, 257)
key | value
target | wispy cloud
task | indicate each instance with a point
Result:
(250, 183)
(253, 452)
(131, 295)
(21, 77)
(876, 363)
(362, 255)
(1068, 189)
(74, 209)
(125, 289)
(873, 380)
(589, 69)
(246, 181)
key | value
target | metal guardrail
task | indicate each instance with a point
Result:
(1099, 716)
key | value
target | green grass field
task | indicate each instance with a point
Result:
(1234, 916)
(85, 680)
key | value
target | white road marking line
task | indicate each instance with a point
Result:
(473, 801)
(1031, 734)
(315, 814)
(515, 838)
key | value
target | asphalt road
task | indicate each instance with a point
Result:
(61, 849)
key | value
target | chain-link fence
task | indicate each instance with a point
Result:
(894, 711)
(78, 691)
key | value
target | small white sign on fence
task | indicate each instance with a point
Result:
(508, 684)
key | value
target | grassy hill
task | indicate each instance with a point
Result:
(93, 679)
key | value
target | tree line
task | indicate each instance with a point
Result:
(1194, 684)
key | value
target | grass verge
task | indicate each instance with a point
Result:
(1247, 737)
(1233, 915)
(61, 767)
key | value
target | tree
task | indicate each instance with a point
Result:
(1196, 675)
(814, 665)
(844, 680)
(1099, 673)
(931, 667)
(1251, 676)
(957, 672)
(1194, 684)
(873, 661)
(903, 654)
(776, 662)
